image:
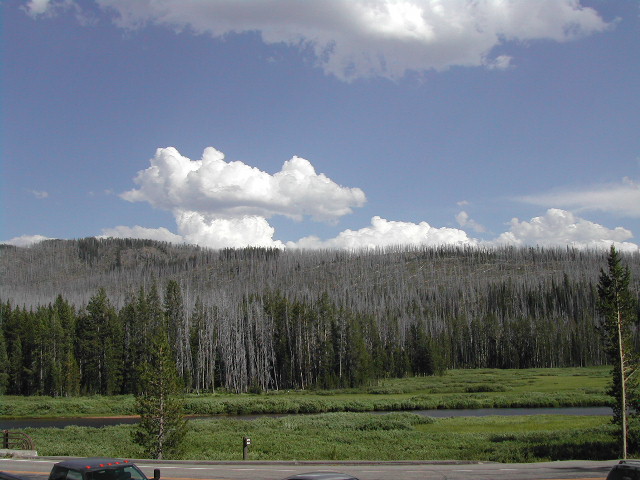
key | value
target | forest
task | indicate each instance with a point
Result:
(77, 316)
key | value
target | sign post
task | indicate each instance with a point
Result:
(246, 441)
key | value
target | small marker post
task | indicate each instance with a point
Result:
(246, 441)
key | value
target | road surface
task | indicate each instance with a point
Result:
(38, 469)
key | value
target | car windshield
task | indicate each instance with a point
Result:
(128, 472)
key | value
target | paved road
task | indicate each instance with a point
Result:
(37, 469)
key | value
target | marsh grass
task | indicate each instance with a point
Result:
(41, 406)
(481, 388)
(361, 436)
(335, 430)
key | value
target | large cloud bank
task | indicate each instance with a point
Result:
(226, 204)
(364, 38)
(223, 189)
(385, 233)
(553, 229)
(560, 227)
(221, 204)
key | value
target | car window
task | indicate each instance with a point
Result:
(134, 473)
(124, 473)
(103, 474)
(58, 473)
(74, 475)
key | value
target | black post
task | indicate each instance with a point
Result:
(246, 441)
(5, 439)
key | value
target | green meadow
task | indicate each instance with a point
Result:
(360, 436)
(481, 388)
(338, 424)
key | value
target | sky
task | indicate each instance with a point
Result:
(322, 124)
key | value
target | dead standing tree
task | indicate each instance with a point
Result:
(617, 307)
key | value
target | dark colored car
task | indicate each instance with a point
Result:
(321, 476)
(625, 470)
(8, 476)
(98, 469)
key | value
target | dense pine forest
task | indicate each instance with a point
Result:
(77, 316)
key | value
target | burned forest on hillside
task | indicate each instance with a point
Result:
(259, 319)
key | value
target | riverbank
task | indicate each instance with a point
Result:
(339, 425)
(361, 436)
(456, 389)
(99, 422)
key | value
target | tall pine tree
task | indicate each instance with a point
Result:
(100, 346)
(617, 307)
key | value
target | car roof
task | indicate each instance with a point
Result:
(321, 476)
(93, 462)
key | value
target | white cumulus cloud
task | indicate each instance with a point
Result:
(556, 228)
(223, 189)
(363, 38)
(160, 234)
(37, 7)
(245, 231)
(560, 227)
(387, 233)
(621, 198)
(464, 220)
(51, 8)
(26, 240)
(219, 204)
(196, 229)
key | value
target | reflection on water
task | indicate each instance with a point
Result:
(12, 424)
(485, 412)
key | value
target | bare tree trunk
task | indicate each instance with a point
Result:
(623, 387)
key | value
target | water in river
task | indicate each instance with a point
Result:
(12, 424)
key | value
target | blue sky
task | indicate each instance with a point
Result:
(336, 123)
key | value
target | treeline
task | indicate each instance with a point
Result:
(265, 343)
(77, 316)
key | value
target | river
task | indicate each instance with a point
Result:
(17, 423)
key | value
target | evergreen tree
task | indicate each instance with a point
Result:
(156, 318)
(197, 326)
(162, 426)
(100, 346)
(132, 345)
(31, 352)
(4, 364)
(16, 369)
(179, 330)
(420, 350)
(203, 348)
(68, 362)
(358, 358)
(53, 344)
(617, 307)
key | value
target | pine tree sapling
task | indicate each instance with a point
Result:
(162, 426)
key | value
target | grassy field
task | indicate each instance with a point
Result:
(482, 388)
(361, 436)
(339, 426)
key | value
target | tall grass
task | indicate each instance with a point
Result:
(483, 388)
(361, 436)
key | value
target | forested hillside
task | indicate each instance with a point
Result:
(77, 315)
